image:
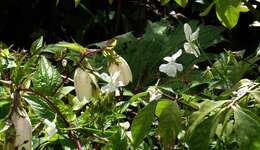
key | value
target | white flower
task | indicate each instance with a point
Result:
(171, 68)
(190, 46)
(154, 93)
(125, 72)
(112, 81)
(51, 129)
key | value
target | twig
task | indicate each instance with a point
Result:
(88, 53)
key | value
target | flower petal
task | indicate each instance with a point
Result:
(187, 31)
(105, 77)
(195, 35)
(169, 59)
(179, 67)
(176, 55)
(169, 69)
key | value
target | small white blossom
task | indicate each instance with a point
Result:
(51, 129)
(171, 67)
(112, 81)
(154, 93)
(190, 46)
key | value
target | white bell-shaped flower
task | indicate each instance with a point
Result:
(190, 46)
(83, 84)
(171, 67)
(121, 66)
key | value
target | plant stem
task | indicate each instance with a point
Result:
(243, 95)
(182, 102)
(71, 133)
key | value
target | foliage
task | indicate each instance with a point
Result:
(200, 99)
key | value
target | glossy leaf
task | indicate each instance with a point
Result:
(182, 3)
(247, 129)
(228, 12)
(36, 45)
(141, 124)
(46, 79)
(40, 106)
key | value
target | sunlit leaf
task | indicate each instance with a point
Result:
(36, 45)
(182, 3)
(46, 79)
(40, 106)
(228, 12)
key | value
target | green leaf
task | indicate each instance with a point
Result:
(182, 3)
(207, 10)
(199, 116)
(110, 1)
(228, 12)
(36, 45)
(119, 141)
(247, 129)
(73, 46)
(65, 91)
(169, 122)
(40, 106)
(204, 132)
(65, 109)
(141, 124)
(77, 2)
(4, 108)
(46, 79)
(164, 2)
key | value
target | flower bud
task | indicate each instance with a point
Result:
(82, 84)
(121, 66)
(23, 130)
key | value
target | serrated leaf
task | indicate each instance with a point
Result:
(65, 109)
(169, 122)
(40, 106)
(228, 12)
(247, 129)
(182, 3)
(36, 45)
(141, 124)
(256, 95)
(46, 79)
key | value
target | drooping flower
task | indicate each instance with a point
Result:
(112, 82)
(171, 67)
(82, 84)
(190, 46)
(121, 66)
